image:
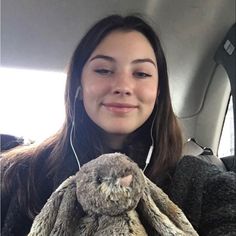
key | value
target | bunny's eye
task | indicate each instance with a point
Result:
(127, 171)
(99, 179)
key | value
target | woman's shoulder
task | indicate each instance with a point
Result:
(197, 185)
(13, 161)
(191, 170)
(14, 170)
(196, 166)
(190, 174)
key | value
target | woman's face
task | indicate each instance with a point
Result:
(120, 82)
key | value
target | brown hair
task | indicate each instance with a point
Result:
(29, 170)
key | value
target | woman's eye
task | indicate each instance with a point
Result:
(141, 75)
(103, 71)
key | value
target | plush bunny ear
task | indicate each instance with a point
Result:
(162, 214)
(60, 214)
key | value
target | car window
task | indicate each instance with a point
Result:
(31, 103)
(226, 146)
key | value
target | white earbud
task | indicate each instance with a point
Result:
(149, 155)
(148, 159)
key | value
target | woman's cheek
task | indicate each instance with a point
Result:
(148, 95)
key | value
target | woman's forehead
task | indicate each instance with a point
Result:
(124, 44)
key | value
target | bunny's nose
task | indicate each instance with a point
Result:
(126, 181)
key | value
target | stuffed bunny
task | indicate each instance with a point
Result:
(109, 196)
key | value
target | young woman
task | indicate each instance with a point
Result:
(117, 99)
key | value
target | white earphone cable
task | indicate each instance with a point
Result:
(73, 127)
(148, 159)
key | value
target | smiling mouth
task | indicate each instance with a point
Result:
(119, 107)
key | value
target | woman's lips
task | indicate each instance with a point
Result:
(119, 107)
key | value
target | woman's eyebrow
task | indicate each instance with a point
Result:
(107, 58)
(143, 60)
(111, 59)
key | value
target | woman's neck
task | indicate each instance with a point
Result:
(115, 141)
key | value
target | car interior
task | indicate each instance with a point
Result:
(198, 38)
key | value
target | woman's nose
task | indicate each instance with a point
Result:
(123, 85)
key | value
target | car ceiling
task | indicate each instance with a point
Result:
(42, 35)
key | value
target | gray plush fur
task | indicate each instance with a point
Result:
(111, 190)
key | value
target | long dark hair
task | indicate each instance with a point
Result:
(51, 162)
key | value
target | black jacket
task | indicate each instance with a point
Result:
(205, 194)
